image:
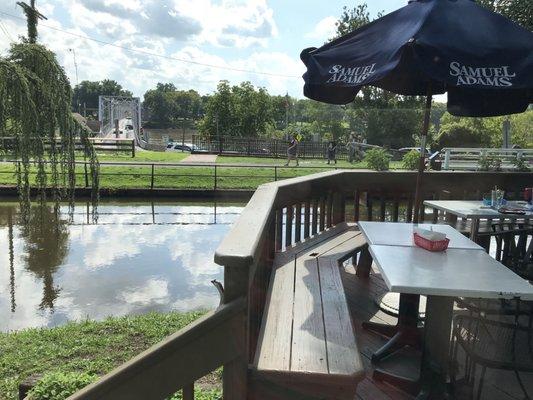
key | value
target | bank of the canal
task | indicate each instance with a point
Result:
(82, 296)
(89, 348)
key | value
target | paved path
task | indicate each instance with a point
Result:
(200, 159)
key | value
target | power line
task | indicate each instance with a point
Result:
(6, 32)
(148, 53)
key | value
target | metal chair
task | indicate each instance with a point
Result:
(490, 344)
(514, 249)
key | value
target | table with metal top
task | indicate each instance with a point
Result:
(464, 270)
(475, 211)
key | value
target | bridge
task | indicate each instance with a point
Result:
(120, 117)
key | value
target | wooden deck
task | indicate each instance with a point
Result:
(499, 385)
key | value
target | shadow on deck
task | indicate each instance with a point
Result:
(499, 385)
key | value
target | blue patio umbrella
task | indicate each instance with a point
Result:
(483, 60)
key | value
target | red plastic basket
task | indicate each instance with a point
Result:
(437, 245)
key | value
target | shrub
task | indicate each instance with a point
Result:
(377, 159)
(60, 385)
(488, 163)
(410, 160)
(520, 163)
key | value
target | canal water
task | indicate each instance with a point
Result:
(138, 257)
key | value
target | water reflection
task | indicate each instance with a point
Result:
(138, 257)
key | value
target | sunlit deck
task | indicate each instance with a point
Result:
(499, 385)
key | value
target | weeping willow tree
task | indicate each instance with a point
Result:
(35, 99)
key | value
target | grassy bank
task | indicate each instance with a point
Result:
(201, 177)
(89, 347)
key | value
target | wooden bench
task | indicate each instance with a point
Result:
(307, 346)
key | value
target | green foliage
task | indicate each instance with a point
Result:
(484, 132)
(521, 163)
(520, 11)
(90, 347)
(167, 107)
(87, 93)
(352, 19)
(35, 97)
(377, 159)
(237, 111)
(411, 160)
(60, 385)
(489, 163)
(200, 394)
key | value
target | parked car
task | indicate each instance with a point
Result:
(173, 146)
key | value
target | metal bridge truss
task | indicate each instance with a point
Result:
(116, 108)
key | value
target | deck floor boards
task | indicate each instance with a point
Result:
(499, 385)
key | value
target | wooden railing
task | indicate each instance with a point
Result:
(279, 215)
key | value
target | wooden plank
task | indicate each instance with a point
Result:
(188, 392)
(307, 219)
(308, 341)
(322, 217)
(279, 229)
(288, 226)
(274, 343)
(298, 223)
(315, 217)
(342, 353)
(329, 212)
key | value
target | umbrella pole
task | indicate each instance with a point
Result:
(422, 162)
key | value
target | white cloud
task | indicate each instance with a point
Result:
(234, 23)
(324, 30)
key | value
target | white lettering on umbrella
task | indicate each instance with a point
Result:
(350, 75)
(485, 76)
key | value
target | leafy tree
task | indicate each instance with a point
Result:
(352, 19)
(167, 107)
(87, 92)
(520, 11)
(381, 117)
(239, 111)
(35, 99)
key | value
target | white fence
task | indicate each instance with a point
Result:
(468, 158)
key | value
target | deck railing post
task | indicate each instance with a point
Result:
(338, 208)
(235, 373)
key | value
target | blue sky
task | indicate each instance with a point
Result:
(251, 35)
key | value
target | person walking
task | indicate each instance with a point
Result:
(332, 150)
(352, 148)
(292, 151)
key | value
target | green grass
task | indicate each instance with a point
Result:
(201, 177)
(87, 347)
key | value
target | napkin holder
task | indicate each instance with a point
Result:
(430, 240)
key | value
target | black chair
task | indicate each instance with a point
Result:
(514, 249)
(490, 344)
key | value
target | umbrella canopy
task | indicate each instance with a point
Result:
(482, 59)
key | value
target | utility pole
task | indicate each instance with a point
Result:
(78, 105)
(32, 16)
